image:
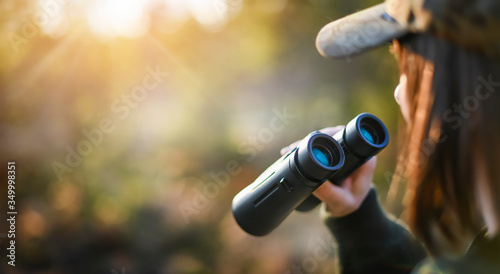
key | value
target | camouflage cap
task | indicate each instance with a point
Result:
(474, 24)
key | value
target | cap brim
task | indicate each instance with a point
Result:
(358, 32)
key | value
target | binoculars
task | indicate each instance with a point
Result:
(289, 182)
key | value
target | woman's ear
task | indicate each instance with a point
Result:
(401, 96)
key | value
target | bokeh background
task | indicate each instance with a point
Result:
(134, 123)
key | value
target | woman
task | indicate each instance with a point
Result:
(449, 94)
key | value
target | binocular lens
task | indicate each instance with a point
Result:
(368, 134)
(322, 155)
(372, 130)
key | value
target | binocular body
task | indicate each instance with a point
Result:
(288, 183)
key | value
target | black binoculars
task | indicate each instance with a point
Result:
(289, 182)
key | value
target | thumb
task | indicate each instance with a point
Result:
(362, 178)
(331, 192)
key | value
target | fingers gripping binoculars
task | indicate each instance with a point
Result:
(289, 182)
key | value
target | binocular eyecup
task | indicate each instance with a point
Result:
(363, 137)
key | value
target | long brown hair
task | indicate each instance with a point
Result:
(454, 122)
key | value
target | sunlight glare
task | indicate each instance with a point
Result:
(118, 17)
(51, 17)
(130, 18)
(210, 14)
(213, 14)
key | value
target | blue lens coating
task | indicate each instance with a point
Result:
(320, 156)
(367, 135)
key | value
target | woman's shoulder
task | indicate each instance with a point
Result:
(483, 257)
(460, 266)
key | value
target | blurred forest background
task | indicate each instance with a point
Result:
(134, 123)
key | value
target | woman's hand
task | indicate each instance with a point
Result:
(347, 197)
